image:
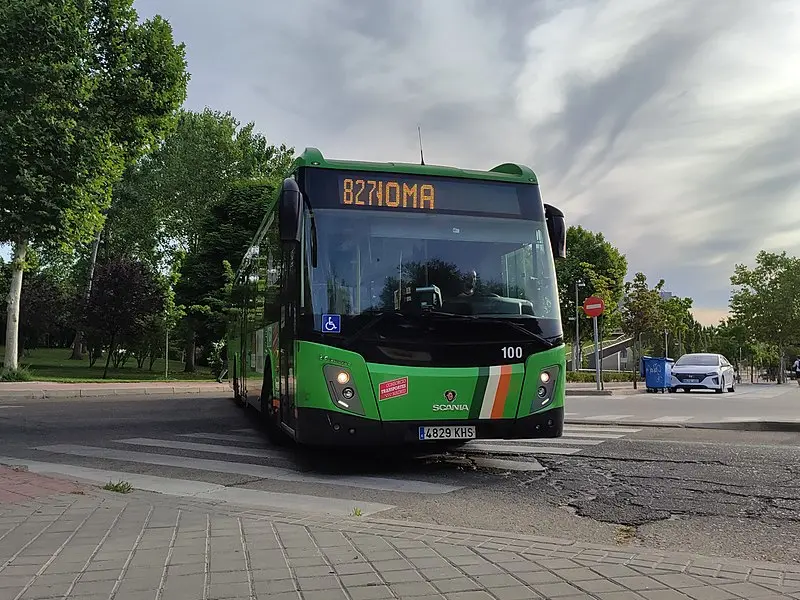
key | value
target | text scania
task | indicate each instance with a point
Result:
(456, 407)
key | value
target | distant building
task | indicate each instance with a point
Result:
(666, 295)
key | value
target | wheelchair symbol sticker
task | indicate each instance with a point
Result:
(331, 323)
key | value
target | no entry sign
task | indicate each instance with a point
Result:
(593, 306)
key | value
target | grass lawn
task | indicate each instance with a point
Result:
(53, 364)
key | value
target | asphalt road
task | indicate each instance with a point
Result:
(750, 402)
(727, 493)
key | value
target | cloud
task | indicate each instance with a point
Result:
(670, 126)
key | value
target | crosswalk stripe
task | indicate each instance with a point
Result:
(607, 417)
(543, 442)
(671, 419)
(599, 428)
(224, 437)
(594, 436)
(213, 448)
(253, 470)
(208, 491)
(512, 449)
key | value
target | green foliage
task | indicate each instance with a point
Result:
(20, 374)
(594, 261)
(193, 170)
(641, 310)
(223, 236)
(127, 300)
(766, 300)
(608, 377)
(86, 88)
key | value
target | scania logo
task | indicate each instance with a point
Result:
(450, 395)
(452, 407)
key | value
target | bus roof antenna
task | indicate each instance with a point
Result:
(421, 155)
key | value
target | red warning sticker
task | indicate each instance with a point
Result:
(393, 388)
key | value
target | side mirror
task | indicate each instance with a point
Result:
(556, 230)
(290, 211)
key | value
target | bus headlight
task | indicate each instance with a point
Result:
(545, 387)
(343, 393)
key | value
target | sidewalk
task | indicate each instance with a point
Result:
(95, 544)
(49, 389)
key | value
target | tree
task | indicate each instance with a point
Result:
(641, 308)
(600, 266)
(224, 234)
(181, 184)
(196, 166)
(86, 89)
(127, 296)
(767, 299)
(676, 319)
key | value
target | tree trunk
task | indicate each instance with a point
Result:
(108, 358)
(11, 362)
(191, 346)
(78, 342)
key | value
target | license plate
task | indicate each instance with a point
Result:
(448, 432)
(692, 380)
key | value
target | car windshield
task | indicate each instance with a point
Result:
(372, 261)
(698, 360)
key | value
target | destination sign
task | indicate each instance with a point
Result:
(414, 193)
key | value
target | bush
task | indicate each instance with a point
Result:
(608, 377)
(21, 374)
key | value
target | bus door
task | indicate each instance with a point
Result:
(288, 334)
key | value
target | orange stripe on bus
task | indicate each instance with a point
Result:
(502, 392)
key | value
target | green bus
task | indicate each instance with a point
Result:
(390, 303)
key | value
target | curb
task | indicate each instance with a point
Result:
(765, 426)
(578, 392)
(102, 392)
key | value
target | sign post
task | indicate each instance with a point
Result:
(593, 307)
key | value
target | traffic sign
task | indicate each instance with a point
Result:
(593, 306)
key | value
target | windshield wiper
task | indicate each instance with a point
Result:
(448, 315)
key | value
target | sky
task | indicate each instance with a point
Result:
(672, 126)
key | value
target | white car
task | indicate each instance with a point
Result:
(703, 372)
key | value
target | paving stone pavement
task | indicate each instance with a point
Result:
(92, 544)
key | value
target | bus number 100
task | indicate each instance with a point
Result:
(512, 352)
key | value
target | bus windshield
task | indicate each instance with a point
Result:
(373, 261)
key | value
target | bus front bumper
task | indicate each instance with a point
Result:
(317, 427)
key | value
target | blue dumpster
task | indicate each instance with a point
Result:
(657, 373)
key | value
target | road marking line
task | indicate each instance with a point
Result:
(225, 437)
(508, 465)
(246, 430)
(253, 470)
(512, 449)
(597, 436)
(544, 441)
(11, 406)
(212, 448)
(671, 419)
(607, 417)
(208, 491)
(599, 429)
